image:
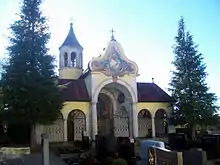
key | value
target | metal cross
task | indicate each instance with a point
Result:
(71, 21)
(112, 37)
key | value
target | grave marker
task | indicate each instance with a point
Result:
(211, 144)
(144, 149)
(125, 147)
(194, 157)
(167, 157)
(177, 141)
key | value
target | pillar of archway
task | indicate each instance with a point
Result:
(94, 120)
(65, 129)
(153, 125)
(134, 116)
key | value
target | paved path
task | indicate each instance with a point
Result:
(34, 159)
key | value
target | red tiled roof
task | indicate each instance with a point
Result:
(150, 92)
(74, 90)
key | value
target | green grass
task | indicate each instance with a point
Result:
(15, 150)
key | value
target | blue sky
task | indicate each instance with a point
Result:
(145, 29)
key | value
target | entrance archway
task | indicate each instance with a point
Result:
(144, 123)
(114, 111)
(125, 88)
(160, 123)
(76, 125)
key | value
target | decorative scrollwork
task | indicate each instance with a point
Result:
(151, 156)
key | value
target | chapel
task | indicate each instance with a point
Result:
(105, 98)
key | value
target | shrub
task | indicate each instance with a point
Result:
(119, 161)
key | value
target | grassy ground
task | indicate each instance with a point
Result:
(7, 151)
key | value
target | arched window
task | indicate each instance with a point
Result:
(65, 59)
(144, 114)
(160, 123)
(76, 124)
(161, 114)
(73, 59)
(144, 123)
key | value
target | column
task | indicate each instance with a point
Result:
(39, 129)
(130, 118)
(65, 129)
(153, 126)
(69, 60)
(135, 120)
(94, 120)
(88, 120)
(46, 152)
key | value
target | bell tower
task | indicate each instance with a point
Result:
(71, 57)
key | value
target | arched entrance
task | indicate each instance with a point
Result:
(160, 123)
(114, 110)
(144, 123)
(55, 131)
(76, 125)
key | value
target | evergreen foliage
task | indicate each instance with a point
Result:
(30, 92)
(194, 103)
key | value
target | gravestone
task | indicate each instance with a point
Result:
(177, 141)
(194, 157)
(144, 149)
(186, 131)
(85, 143)
(125, 147)
(101, 146)
(111, 145)
(167, 157)
(211, 144)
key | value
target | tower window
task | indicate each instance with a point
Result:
(73, 59)
(65, 59)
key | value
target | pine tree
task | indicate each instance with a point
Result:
(194, 105)
(29, 82)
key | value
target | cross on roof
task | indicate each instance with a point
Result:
(71, 20)
(112, 37)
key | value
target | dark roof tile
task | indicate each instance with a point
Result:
(74, 90)
(150, 92)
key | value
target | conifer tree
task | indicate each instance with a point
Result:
(194, 105)
(30, 92)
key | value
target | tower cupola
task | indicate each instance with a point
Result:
(71, 57)
(71, 39)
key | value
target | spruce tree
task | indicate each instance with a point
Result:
(30, 92)
(194, 105)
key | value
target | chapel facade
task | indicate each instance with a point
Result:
(105, 98)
